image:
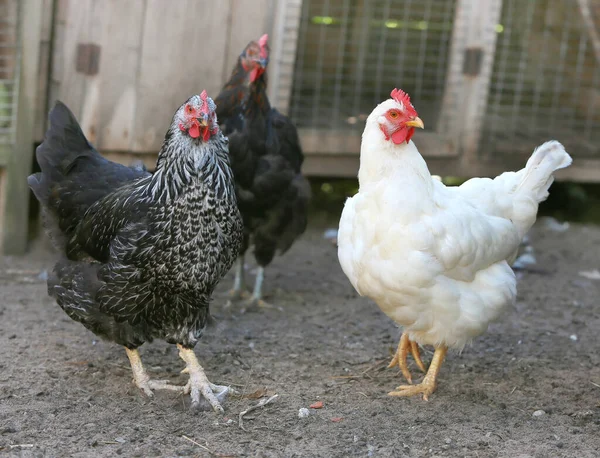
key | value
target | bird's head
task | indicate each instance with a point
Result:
(197, 118)
(397, 118)
(255, 57)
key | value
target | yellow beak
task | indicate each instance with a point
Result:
(417, 122)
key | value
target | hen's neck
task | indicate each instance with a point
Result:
(383, 161)
(183, 164)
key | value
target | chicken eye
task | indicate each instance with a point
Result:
(393, 114)
(190, 109)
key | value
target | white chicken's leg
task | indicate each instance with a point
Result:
(428, 385)
(400, 357)
(142, 379)
(199, 384)
(239, 285)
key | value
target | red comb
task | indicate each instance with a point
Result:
(262, 41)
(204, 98)
(402, 97)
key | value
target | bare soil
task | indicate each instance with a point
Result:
(64, 393)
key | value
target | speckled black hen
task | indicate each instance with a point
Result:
(142, 253)
(266, 159)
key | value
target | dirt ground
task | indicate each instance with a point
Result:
(63, 393)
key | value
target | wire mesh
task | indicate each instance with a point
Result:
(9, 69)
(352, 53)
(546, 78)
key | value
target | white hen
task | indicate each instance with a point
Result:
(435, 259)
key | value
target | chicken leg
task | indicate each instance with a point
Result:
(142, 379)
(399, 358)
(239, 284)
(428, 385)
(199, 384)
(256, 298)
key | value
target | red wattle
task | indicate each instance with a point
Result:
(399, 136)
(194, 131)
(206, 134)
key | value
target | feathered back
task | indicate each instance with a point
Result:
(70, 180)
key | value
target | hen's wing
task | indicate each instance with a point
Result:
(466, 239)
(287, 136)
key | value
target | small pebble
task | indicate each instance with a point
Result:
(573, 337)
(303, 412)
(539, 413)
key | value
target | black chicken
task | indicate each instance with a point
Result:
(266, 159)
(142, 253)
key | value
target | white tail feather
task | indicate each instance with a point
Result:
(544, 161)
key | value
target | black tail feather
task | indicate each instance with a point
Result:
(64, 142)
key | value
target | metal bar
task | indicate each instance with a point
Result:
(339, 67)
(581, 51)
(422, 50)
(558, 74)
(501, 72)
(403, 40)
(298, 72)
(362, 54)
(443, 57)
(319, 70)
(540, 73)
(380, 53)
(522, 67)
(589, 122)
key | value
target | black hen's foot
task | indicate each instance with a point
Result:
(237, 294)
(212, 395)
(142, 379)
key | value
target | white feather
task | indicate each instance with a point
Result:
(435, 259)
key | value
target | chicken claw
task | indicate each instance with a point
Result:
(142, 379)
(400, 357)
(236, 294)
(199, 384)
(429, 383)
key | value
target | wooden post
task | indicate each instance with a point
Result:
(283, 43)
(469, 73)
(16, 205)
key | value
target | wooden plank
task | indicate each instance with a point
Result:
(473, 28)
(326, 142)
(104, 102)
(74, 20)
(16, 206)
(41, 113)
(346, 165)
(182, 54)
(248, 20)
(109, 108)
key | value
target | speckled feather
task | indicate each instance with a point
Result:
(143, 253)
(266, 159)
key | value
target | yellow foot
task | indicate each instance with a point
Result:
(426, 387)
(429, 383)
(400, 357)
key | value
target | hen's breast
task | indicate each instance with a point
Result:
(195, 241)
(393, 259)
